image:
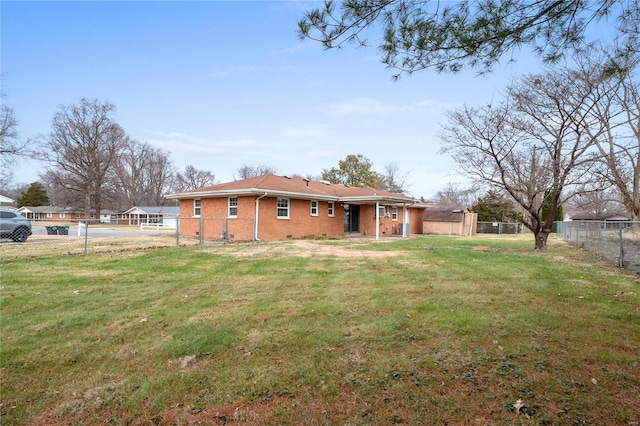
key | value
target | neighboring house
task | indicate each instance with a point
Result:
(44, 213)
(603, 216)
(271, 208)
(5, 200)
(166, 216)
(441, 221)
(108, 216)
(604, 220)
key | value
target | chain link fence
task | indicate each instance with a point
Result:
(91, 236)
(618, 242)
(500, 228)
(57, 238)
(216, 230)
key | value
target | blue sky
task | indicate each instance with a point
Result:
(224, 84)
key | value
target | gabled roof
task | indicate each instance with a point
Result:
(6, 200)
(286, 187)
(163, 210)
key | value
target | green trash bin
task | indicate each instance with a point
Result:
(52, 230)
(63, 230)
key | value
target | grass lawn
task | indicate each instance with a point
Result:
(427, 330)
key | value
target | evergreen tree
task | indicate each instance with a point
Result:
(494, 207)
(35, 195)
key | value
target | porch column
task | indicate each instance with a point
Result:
(404, 220)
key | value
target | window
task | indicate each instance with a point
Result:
(233, 206)
(381, 212)
(283, 208)
(394, 213)
(61, 215)
(314, 208)
(49, 215)
(196, 207)
(330, 208)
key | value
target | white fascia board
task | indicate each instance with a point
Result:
(375, 199)
(211, 194)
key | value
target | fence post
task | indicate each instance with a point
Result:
(86, 236)
(621, 248)
(178, 231)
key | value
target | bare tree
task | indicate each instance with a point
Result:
(248, 171)
(142, 175)
(614, 121)
(394, 179)
(455, 196)
(192, 178)
(532, 145)
(596, 202)
(10, 146)
(84, 145)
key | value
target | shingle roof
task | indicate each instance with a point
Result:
(443, 215)
(294, 187)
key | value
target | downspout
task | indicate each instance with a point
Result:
(377, 220)
(404, 220)
(255, 225)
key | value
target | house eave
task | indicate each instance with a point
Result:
(369, 199)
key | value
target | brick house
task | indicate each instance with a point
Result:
(44, 213)
(271, 208)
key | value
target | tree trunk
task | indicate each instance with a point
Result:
(541, 240)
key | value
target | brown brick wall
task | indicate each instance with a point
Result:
(299, 224)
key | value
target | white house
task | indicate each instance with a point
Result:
(165, 216)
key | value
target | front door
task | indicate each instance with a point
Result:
(351, 218)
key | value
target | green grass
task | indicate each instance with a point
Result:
(427, 330)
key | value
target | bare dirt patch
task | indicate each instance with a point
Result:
(306, 248)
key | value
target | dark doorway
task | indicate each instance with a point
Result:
(351, 218)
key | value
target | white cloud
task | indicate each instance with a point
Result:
(181, 143)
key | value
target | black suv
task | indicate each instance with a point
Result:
(13, 225)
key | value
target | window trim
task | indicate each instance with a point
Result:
(313, 205)
(230, 206)
(197, 206)
(287, 208)
(394, 213)
(331, 212)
